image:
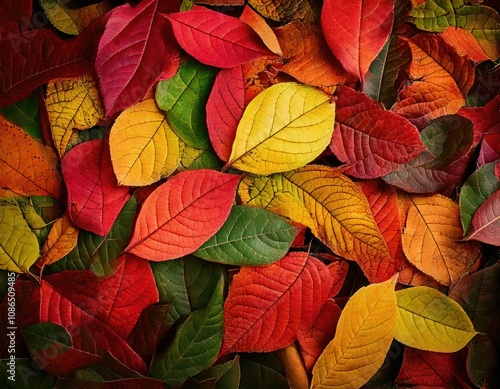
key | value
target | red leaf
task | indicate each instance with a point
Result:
(314, 339)
(121, 300)
(425, 369)
(372, 140)
(182, 214)
(338, 271)
(486, 122)
(225, 107)
(356, 31)
(216, 39)
(485, 225)
(266, 305)
(136, 48)
(33, 58)
(94, 197)
(14, 17)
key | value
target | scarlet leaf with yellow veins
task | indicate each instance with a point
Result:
(72, 104)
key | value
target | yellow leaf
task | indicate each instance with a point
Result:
(18, 245)
(364, 334)
(72, 20)
(143, 147)
(61, 240)
(72, 104)
(429, 320)
(431, 232)
(330, 204)
(285, 127)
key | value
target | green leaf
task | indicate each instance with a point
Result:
(196, 344)
(478, 295)
(18, 245)
(429, 320)
(251, 236)
(183, 98)
(47, 335)
(193, 159)
(382, 79)
(264, 369)
(479, 186)
(28, 375)
(96, 252)
(224, 376)
(187, 283)
(24, 113)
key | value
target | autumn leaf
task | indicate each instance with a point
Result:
(371, 140)
(307, 57)
(72, 104)
(485, 223)
(216, 39)
(259, 25)
(73, 20)
(349, 360)
(465, 43)
(28, 167)
(134, 45)
(356, 31)
(442, 79)
(284, 11)
(324, 200)
(143, 147)
(178, 227)
(430, 239)
(272, 325)
(266, 137)
(429, 320)
(88, 174)
(18, 245)
(61, 240)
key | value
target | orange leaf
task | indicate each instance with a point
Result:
(441, 80)
(430, 238)
(259, 25)
(61, 240)
(465, 43)
(310, 61)
(27, 166)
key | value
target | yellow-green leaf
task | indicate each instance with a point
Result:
(18, 245)
(72, 104)
(364, 334)
(72, 20)
(429, 320)
(331, 205)
(283, 128)
(143, 147)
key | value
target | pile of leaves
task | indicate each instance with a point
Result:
(250, 194)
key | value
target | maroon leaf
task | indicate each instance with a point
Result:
(485, 225)
(94, 197)
(371, 140)
(137, 47)
(216, 39)
(14, 17)
(32, 58)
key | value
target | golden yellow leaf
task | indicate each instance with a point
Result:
(18, 245)
(283, 128)
(364, 334)
(61, 240)
(72, 104)
(431, 232)
(143, 147)
(429, 320)
(73, 20)
(330, 204)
